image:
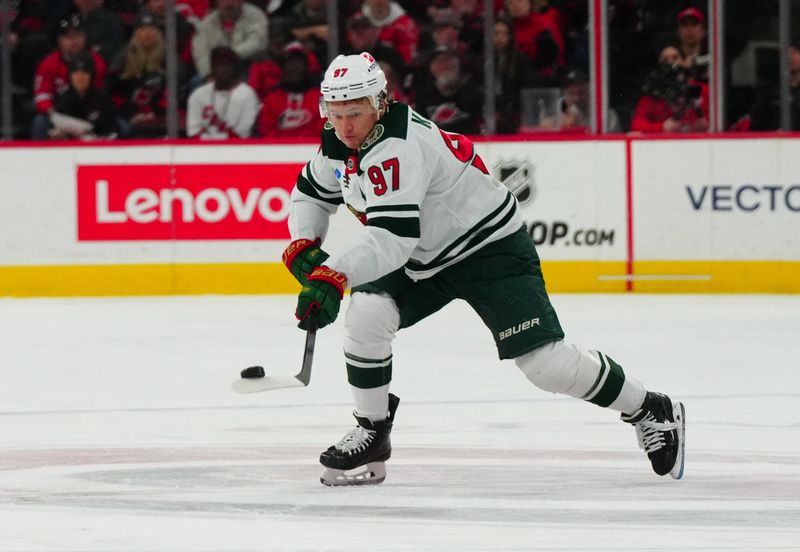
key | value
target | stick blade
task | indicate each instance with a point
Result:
(246, 386)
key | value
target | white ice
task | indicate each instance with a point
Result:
(119, 432)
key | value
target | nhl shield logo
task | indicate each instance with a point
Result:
(517, 175)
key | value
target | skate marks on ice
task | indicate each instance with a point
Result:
(448, 484)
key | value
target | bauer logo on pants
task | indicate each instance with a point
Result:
(527, 325)
(184, 202)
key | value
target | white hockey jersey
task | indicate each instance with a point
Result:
(221, 114)
(424, 195)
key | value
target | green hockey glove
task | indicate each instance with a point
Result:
(302, 256)
(322, 293)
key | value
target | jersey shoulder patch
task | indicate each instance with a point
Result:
(392, 125)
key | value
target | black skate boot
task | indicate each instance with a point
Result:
(660, 427)
(365, 449)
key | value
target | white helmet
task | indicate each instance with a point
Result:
(350, 78)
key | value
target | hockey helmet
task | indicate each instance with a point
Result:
(350, 78)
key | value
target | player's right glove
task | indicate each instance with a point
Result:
(321, 296)
(302, 257)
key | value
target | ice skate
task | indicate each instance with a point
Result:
(660, 428)
(358, 459)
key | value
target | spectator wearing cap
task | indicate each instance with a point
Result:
(82, 103)
(692, 42)
(234, 24)
(105, 33)
(537, 34)
(397, 28)
(138, 82)
(448, 97)
(291, 110)
(363, 36)
(224, 108)
(51, 76)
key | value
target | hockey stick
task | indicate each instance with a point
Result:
(257, 383)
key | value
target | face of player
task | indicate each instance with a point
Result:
(352, 120)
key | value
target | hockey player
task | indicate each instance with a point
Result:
(438, 227)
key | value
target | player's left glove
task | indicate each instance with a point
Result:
(323, 293)
(302, 256)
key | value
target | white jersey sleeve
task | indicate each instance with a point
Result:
(315, 197)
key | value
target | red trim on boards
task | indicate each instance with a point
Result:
(597, 78)
(629, 217)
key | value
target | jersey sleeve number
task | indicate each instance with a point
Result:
(377, 175)
(463, 149)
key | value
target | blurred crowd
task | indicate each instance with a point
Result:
(95, 69)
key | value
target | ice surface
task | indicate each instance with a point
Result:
(119, 432)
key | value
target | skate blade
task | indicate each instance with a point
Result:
(679, 415)
(370, 474)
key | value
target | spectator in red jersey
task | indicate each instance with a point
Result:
(83, 112)
(537, 33)
(51, 75)
(397, 28)
(235, 24)
(138, 81)
(669, 101)
(292, 109)
(105, 33)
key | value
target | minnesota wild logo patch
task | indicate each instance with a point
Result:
(327, 126)
(373, 136)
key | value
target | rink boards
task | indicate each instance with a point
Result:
(693, 215)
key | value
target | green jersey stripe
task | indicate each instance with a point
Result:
(369, 378)
(474, 236)
(405, 227)
(304, 186)
(403, 207)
